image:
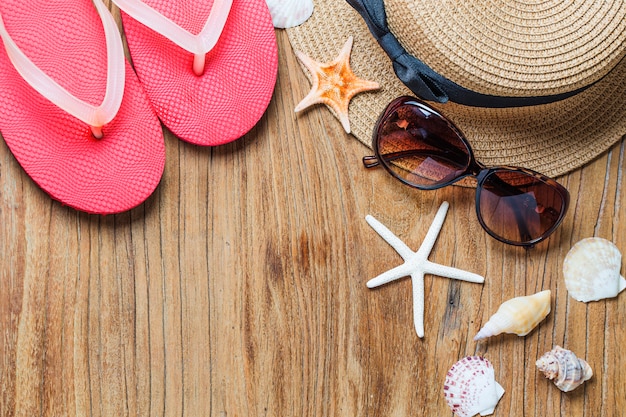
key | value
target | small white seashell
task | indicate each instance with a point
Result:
(518, 315)
(564, 368)
(592, 270)
(471, 387)
(289, 13)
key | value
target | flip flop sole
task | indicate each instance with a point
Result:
(239, 78)
(110, 175)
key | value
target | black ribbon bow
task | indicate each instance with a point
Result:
(423, 80)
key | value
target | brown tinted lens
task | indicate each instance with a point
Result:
(420, 147)
(519, 207)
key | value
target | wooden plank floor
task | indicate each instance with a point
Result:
(238, 288)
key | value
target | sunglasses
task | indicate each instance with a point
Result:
(423, 149)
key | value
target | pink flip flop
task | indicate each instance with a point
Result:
(72, 111)
(208, 66)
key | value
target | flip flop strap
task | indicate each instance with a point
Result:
(201, 43)
(95, 116)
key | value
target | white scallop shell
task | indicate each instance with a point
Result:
(518, 315)
(471, 388)
(592, 270)
(564, 368)
(289, 13)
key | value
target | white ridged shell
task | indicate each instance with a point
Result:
(518, 315)
(289, 13)
(564, 368)
(591, 270)
(471, 388)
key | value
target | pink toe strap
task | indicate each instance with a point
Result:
(94, 116)
(198, 44)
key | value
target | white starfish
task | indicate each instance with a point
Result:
(416, 264)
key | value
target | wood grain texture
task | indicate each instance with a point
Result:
(238, 288)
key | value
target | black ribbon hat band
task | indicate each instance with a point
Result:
(423, 80)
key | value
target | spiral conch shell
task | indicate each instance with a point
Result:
(592, 270)
(518, 315)
(471, 388)
(564, 368)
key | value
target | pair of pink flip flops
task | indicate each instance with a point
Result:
(85, 126)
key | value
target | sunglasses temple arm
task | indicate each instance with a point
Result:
(370, 161)
(521, 226)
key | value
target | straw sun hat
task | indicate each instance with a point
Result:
(567, 55)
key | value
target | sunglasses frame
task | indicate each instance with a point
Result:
(474, 169)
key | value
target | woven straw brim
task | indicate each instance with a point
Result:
(512, 48)
(553, 138)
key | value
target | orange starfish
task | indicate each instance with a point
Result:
(334, 84)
